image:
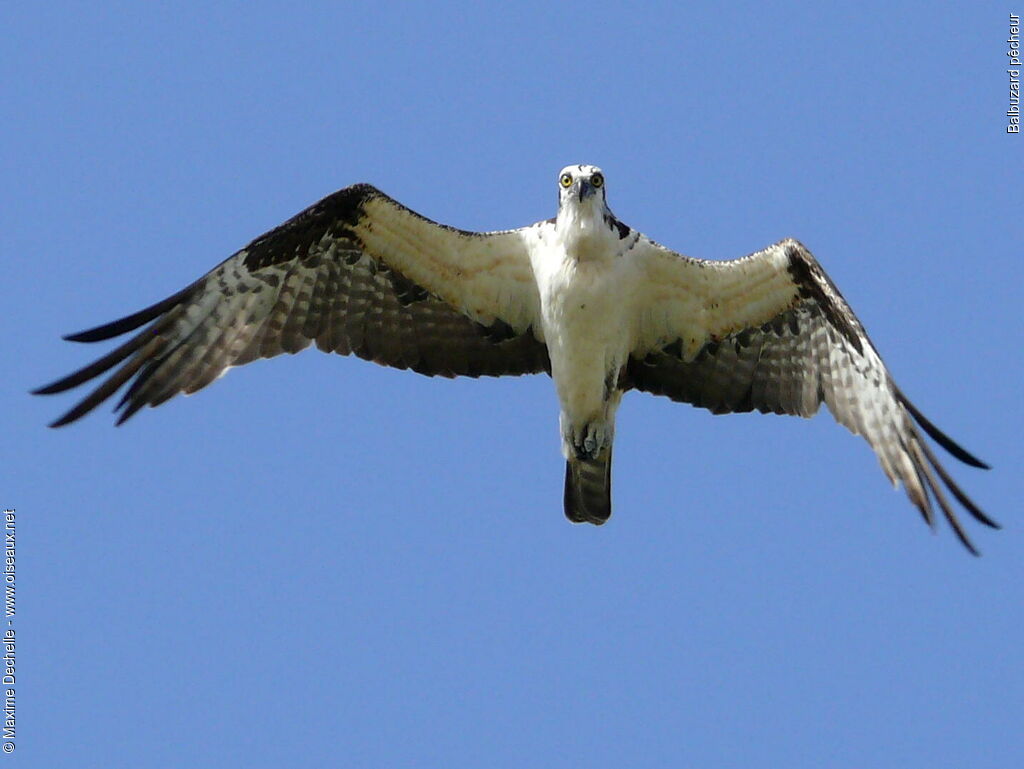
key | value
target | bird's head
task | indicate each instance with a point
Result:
(581, 188)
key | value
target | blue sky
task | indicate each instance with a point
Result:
(321, 562)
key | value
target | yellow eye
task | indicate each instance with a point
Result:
(565, 180)
(597, 180)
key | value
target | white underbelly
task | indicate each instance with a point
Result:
(587, 335)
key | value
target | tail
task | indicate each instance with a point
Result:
(588, 488)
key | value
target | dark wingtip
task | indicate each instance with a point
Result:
(111, 385)
(966, 541)
(925, 461)
(133, 321)
(67, 419)
(128, 413)
(940, 437)
(970, 546)
(962, 535)
(105, 363)
(969, 505)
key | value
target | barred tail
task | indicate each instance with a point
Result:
(588, 488)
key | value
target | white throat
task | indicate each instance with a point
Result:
(583, 230)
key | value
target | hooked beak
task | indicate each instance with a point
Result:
(586, 189)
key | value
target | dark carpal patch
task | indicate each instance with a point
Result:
(334, 216)
(814, 284)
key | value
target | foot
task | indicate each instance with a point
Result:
(590, 440)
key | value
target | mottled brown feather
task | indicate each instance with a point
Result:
(813, 352)
(309, 280)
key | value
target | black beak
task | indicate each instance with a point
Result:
(586, 189)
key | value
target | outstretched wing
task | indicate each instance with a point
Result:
(357, 273)
(771, 332)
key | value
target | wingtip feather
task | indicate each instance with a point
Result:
(133, 321)
(921, 459)
(969, 505)
(110, 385)
(940, 437)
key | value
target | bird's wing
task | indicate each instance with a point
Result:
(356, 273)
(771, 332)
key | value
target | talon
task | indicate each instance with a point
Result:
(591, 441)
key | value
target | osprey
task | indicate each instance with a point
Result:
(582, 297)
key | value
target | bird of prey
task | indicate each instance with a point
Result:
(583, 297)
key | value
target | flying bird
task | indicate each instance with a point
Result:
(583, 297)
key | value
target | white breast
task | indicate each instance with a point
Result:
(584, 284)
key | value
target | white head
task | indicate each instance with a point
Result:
(581, 190)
